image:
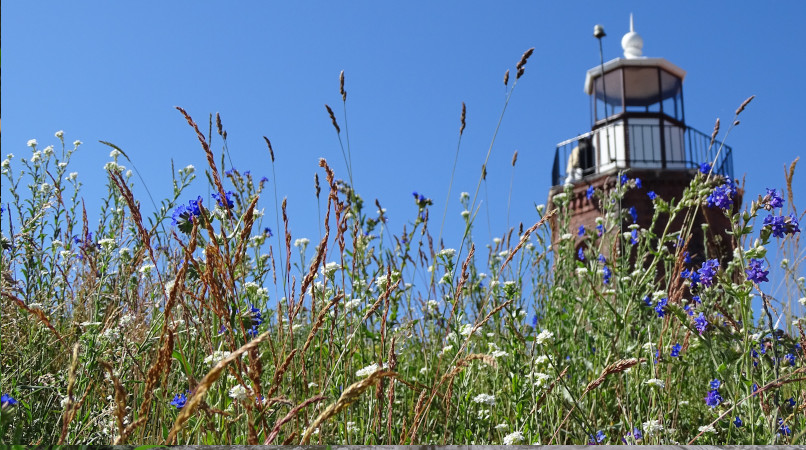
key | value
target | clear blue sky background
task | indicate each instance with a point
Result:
(115, 70)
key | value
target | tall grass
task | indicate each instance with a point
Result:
(162, 329)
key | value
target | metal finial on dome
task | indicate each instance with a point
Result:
(632, 43)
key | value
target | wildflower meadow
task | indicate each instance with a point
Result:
(200, 319)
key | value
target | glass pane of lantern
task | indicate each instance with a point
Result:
(643, 91)
(611, 91)
(672, 92)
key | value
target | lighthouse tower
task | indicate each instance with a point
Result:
(638, 124)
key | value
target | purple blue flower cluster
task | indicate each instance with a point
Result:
(652, 195)
(772, 200)
(598, 439)
(179, 400)
(782, 225)
(705, 168)
(634, 214)
(754, 271)
(676, 350)
(421, 200)
(589, 192)
(7, 400)
(660, 307)
(722, 196)
(701, 323)
(708, 272)
(187, 212)
(713, 399)
(581, 231)
(633, 237)
(607, 275)
(227, 197)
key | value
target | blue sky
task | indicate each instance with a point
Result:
(115, 70)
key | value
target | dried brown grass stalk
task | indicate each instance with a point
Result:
(278, 376)
(271, 150)
(525, 237)
(248, 222)
(333, 119)
(276, 430)
(506, 77)
(210, 157)
(320, 319)
(514, 158)
(341, 87)
(120, 396)
(218, 124)
(744, 104)
(69, 409)
(464, 116)
(205, 383)
(714, 133)
(347, 397)
(618, 366)
(548, 391)
(117, 178)
(522, 62)
(392, 358)
(464, 276)
(39, 315)
(789, 175)
(418, 409)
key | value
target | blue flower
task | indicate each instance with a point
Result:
(581, 231)
(773, 199)
(263, 180)
(715, 383)
(789, 358)
(708, 272)
(784, 428)
(754, 272)
(696, 298)
(659, 308)
(589, 192)
(638, 183)
(780, 226)
(623, 180)
(634, 214)
(581, 255)
(267, 232)
(7, 400)
(246, 173)
(634, 237)
(534, 321)
(791, 402)
(602, 259)
(700, 322)
(599, 229)
(689, 310)
(705, 168)
(686, 258)
(676, 350)
(228, 197)
(713, 399)
(738, 422)
(648, 300)
(755, 389)
(598, 439)
(652, 195)
(179, 401)
(722, 196)
(607, 275)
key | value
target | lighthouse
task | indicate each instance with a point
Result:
(638, 125)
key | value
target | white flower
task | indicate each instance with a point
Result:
(112, 166)
(539, 378)
(90, 324)
(544, 336)
(48, 151)
(216, 357)
(189, 169)
(501, 426)
(498, 353)
(582, 271)
(330, 268)
(352, 304)
(424, 370)
(32, 143)
(369, 370)
(36, 156)
(238, 392)
(707, 429)
(655, 383)
(114, 153)
(467, 329)
(543, 359)
(446, 349)
(566, 237)
(465, 214)
(312, 385)
(72, 176)
(464, 196)
(146, 268)
(496, 241)
(45, 188)
(111, 334)
(351, 427)
(652, 427)
(485, 399)
(802, 301)
(540, 208)
(432, 306)
(59, 134)
(302, 242)
(447, 253)
(124, 251)
(107, 241)
(126, 320)
(560, 197)
(513, 438)
(76, 143)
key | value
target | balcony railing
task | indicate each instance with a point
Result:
(623, 145)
